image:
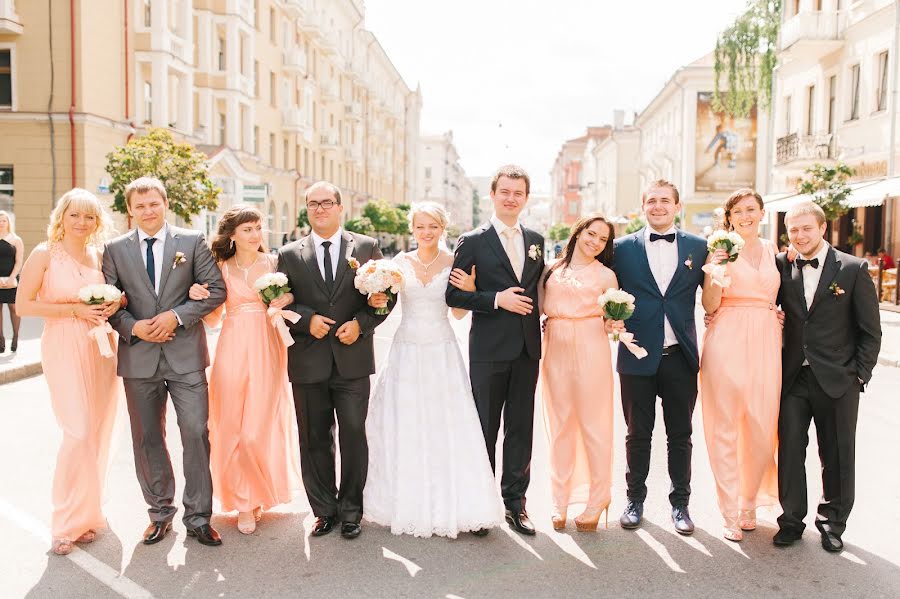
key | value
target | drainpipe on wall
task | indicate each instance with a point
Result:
(74, 152)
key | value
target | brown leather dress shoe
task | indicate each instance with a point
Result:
(156, 532)
(323, 526)
(206, 535)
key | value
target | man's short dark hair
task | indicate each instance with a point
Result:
(513, 172)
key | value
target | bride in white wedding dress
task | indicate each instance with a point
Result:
(429, 472)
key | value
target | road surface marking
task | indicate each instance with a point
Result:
(411, 567)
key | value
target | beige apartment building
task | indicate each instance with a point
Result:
(443, 180)
(278, 94)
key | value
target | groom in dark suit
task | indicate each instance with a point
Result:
(332, 358)
(660, 266)
(832, 336)
(505, 338)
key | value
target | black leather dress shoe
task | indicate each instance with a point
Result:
(206, 535)
(481, 532)
(350, 530)
(682, 519)
(786, 537)
(323, 526)
(831, 542)
(156, 532)
(519, 522)
(631, 517)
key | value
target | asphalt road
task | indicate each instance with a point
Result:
(281, 560)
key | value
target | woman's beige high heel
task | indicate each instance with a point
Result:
(590, 518)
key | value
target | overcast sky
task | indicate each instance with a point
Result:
(513, 79)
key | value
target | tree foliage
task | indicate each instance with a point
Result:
(829, 188)
(385, 218)
(303, 218)
(180, 167)
(635, 224)
(559, 232)
(745, 57)
(361, 225)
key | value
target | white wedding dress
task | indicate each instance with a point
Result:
(429, 472)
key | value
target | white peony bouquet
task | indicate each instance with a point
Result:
(94, 295)
(619, 305)
(732, 243)
(379, 276)
(271, 286)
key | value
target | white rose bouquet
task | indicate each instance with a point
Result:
(379, 276)
(730, 242)
(94, 295)
(619, 305)
(271, 286)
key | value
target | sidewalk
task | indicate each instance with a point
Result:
(26, 361)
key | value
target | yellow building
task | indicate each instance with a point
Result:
(278, 93)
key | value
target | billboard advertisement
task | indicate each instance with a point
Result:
(725, 149)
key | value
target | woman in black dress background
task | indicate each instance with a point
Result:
(11, 257)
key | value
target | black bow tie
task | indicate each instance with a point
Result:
(801, 263)
(656, 237)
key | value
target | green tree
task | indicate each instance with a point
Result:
(559, 232)
(476, 208)
(180, 167)
(402, 219)
(829, 188)
(361, 225)
(636, 224)
(383, 217)
(745, 56)
(303, 218)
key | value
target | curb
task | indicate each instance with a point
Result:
(23, 371)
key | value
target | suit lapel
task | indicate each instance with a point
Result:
(682, 258)
(134, 254)
(348, 244)
(829, 271)
(528, 239)
(797, 285)
(308, 256)
(168, 257)
(644, 259)
(494, 242)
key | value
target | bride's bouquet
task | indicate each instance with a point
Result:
(94, 295)
(732, 243)
(379, 276)
(619, 305)
(271, 286)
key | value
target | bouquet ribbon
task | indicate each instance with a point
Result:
(277, 318)
(718, 273)
(627, 339)
(101, 334)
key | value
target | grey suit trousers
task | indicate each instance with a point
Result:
(146, 398)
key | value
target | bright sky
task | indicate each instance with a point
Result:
(513, 79)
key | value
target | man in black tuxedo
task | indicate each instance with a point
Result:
(505, 338)
(832, 335)
(332, 358)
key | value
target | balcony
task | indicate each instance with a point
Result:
(293, 120)
(330, 91)
(296, 9)
(10, 24)
(328, 141)
(353, 153)
(311, 24)
(353, 110)
(804, 150)
(328, 43)
(811, 34)
(294, 61)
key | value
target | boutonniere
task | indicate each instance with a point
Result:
(835, 290)
(353, 263)
(179, 259)
(689, 262)
(534, 252)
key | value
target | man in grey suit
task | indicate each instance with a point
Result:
(163, 352)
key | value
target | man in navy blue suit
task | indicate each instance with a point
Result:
(661, 267)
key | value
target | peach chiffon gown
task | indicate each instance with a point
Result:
(577, 386)
(84, 393)
(740, 387)
(253, 440)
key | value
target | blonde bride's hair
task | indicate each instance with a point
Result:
(83, 201)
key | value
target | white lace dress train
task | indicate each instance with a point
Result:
(429, 472)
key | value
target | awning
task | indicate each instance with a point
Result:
(863, 193)
(782, 202)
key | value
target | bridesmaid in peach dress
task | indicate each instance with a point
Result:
(576, 374)
(740, 372)
(251, 411)
(84, 389)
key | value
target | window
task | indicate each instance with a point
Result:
(221, 54)
(272, 25)
(881, 90)
(272, 149)
(810, 109)
(256, 139)
(428, 172)
(148, 102)
(148, 21)
(787, 115)
(854, 92)
(256, 14)
(256, 78)
(5, 79)
(6, 188)
(273, 85)
(832, 102)
(286, 154)
(221, 127)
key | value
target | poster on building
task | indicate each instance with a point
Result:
(725, 149)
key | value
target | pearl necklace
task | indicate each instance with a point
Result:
(430, 264)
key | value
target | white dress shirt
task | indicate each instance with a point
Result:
(811, 278)
(663, 259)
(158, 247)
(519, 238)
(335, 251)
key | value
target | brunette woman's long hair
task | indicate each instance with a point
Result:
(605, 257)
(221, 246)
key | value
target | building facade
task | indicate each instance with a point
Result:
(568, 181)
(611, 174)
(832, 104)
(443, 180)
(278, 93)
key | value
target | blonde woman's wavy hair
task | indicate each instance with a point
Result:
(9, 222)
(84, 201)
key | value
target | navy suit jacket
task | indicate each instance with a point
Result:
(678, 303)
